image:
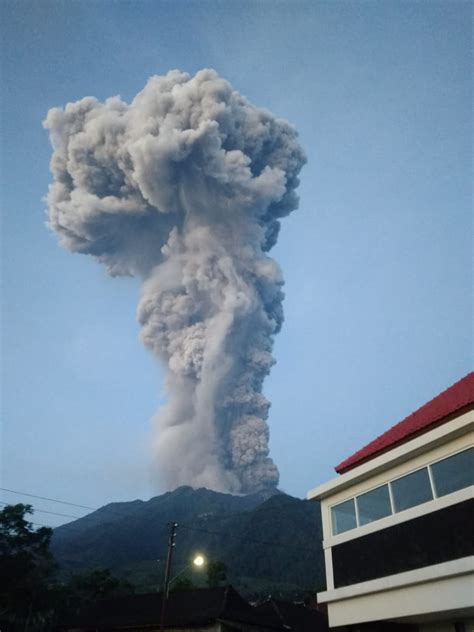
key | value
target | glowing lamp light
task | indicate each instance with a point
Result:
(198, 560)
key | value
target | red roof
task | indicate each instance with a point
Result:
(435, 412)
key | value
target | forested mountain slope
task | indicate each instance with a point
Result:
(267, 543)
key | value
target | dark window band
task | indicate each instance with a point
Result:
(434, 538)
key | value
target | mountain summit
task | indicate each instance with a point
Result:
(269, 541)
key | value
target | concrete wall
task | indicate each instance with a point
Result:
(415, 594)
(411, 601)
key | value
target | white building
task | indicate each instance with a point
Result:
(398, 523)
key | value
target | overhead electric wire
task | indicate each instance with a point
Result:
(225, 516)
(105, 508)
(65, 502)
(54, 500)
(220, 534)
(181, 525)
(37, 524)
(246, 539)
(53, 513)
(216, 533)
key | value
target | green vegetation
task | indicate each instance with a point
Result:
(27, 569)
(216, 573)
(31, 596)
(268, 541)
(260, 545)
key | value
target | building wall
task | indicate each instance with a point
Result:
(396, 593)
(432, 446)
(433, 538)
(397, 598)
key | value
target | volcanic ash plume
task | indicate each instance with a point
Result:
(185, 187)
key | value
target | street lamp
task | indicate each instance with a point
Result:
(198, 561)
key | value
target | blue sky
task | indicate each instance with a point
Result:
(376, 260)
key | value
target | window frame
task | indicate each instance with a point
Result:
(368, 491)
(334, 518)
(435, 495)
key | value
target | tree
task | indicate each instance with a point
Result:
(216, 573)
(30, 597)
(98, 584)
(183, 583)
(27, 566)
(84, 589)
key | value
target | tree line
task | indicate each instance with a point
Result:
(34, 597)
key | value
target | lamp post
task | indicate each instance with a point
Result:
(198, 561)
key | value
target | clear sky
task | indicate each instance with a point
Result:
(377, 259)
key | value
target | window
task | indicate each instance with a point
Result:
(454, 473)
(343, 517)
(373, 505)
(412, 489)
(448, 475)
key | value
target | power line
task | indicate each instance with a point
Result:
(64, 502)
(54, 500)
(251, 540)
(53, 513)
(220, 534)
(249, 512)
(224, 534)
(182, 525)
(37, 524)
(105, 508)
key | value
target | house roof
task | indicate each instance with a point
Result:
(294, 616)
(184, 608)
(437, 411)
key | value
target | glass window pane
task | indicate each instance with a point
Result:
(454, 473)
(343, 517)
(412, 489)
(373, 505)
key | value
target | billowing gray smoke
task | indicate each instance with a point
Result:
(185, 187)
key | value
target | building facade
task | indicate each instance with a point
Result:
(398, 523)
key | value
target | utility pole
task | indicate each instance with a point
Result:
(169, 557)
